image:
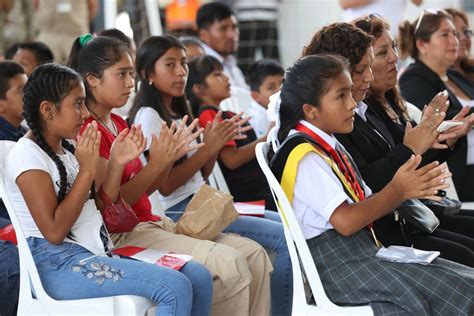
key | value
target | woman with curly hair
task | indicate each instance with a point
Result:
(330, 202)
(379, 157)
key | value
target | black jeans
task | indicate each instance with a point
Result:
(452, 246)
(462, 223)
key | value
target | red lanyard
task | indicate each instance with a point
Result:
(343, 164)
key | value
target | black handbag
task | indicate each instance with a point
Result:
(446, 206)
(418, 215)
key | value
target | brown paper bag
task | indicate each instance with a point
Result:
(208, 213)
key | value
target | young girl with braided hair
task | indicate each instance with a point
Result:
(49, 182)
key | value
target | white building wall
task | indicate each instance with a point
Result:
(300, 19)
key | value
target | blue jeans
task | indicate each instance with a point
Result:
(66, 274)
(9, 278)
(4, 221)
(268, 232)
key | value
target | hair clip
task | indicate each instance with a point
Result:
(84, 39)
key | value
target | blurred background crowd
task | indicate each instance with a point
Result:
(268, 28)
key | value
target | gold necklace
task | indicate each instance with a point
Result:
(104, 124)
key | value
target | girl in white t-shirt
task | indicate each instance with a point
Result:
(50, 181)
(330, 204)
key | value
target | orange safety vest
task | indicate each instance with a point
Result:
(181, 14)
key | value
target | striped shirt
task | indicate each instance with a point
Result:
(261, 10)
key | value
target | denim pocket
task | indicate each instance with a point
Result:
(55, 255)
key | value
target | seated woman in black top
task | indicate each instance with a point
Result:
(332, 210)
(378, 157)
(432, 41)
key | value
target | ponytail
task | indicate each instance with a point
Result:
(306, 82)
(422, 29)
(407, 41)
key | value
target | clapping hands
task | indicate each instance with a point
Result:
(174, 142)
(128, 145)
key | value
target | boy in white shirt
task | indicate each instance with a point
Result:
(264, 78)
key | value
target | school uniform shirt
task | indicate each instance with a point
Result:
(258, 119)
(151, 122)
(229, 63)
(142, 207)
(26, 155)
(318, 191)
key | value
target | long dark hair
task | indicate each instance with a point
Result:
(49, 82)
(305, 83)
(199, 69)
(94, 57)
(147, 54)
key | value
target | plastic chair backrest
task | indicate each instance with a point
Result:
(40, 302)
(217, 180)
(27, 265)
(300, 254)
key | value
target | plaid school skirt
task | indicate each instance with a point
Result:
(351, 275)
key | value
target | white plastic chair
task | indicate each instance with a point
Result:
(217, 180)
(301, 258)
(41, 303)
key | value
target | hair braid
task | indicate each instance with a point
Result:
(49, 82)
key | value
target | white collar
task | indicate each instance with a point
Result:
(230, 59)
(361, 109)
(257, 107)
(330, 139)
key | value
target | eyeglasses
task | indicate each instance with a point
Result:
(366, 24)
(425, 12)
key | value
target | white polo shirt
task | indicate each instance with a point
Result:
(317, 192)
(258, 119)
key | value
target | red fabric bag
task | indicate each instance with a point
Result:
(118, 217)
